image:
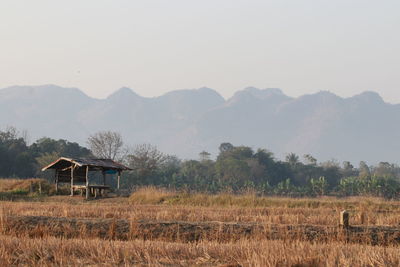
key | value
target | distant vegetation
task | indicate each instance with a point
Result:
(237, 169)
(18, 159)
(240, 170)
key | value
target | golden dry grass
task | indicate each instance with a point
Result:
(323, 211)
(158, 206)
(153, 195)
(9, 185)
(172, 231)
(80, 252)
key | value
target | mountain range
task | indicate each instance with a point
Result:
(186, 122)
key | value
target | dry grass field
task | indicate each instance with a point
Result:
(159, 228)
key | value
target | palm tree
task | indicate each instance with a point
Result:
(292, 159)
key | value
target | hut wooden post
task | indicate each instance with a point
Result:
(72, 180)
(104, 177)
(87, 182)
(56, 178)
(118, 178)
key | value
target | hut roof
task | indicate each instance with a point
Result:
(105, 164)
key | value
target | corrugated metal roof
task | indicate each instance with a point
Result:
(80, 162)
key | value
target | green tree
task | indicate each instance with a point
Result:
(233, 173)
(348, 169)
(363, 169)
(204, 156)
(145, 160)
(224, 147)
(310, 160)
(319, 186)
(292, 159)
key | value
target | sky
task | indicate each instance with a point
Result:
(156, 46)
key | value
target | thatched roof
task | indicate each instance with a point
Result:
(99, 164)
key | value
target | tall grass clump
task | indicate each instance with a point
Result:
(152, 195)
(19, 188)
(155, 196)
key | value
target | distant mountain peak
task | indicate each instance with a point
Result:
(323, 94)
(123, 93)
(44, 87)
(327, 94)
(210, 91)
(40, 91)
(256, 93)
(268, 91)
(369, 97)
(124, 90)
(205, 88)
(203, 92)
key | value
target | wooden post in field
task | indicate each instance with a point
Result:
(344, 219)
(87, 182)
(31, 187)
(40, 187)
(72, 181)
(118, 178)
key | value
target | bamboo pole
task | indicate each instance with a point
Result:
(118, 179)
(87, 182)
(72, 181)
(56, 180)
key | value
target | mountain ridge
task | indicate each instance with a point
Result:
(124, 89)
(185, 122)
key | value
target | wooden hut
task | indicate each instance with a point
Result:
(76, 171)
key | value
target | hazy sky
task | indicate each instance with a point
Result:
(301, 46)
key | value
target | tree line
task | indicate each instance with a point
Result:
(235, 169)
(240, 168)
(18, 159)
